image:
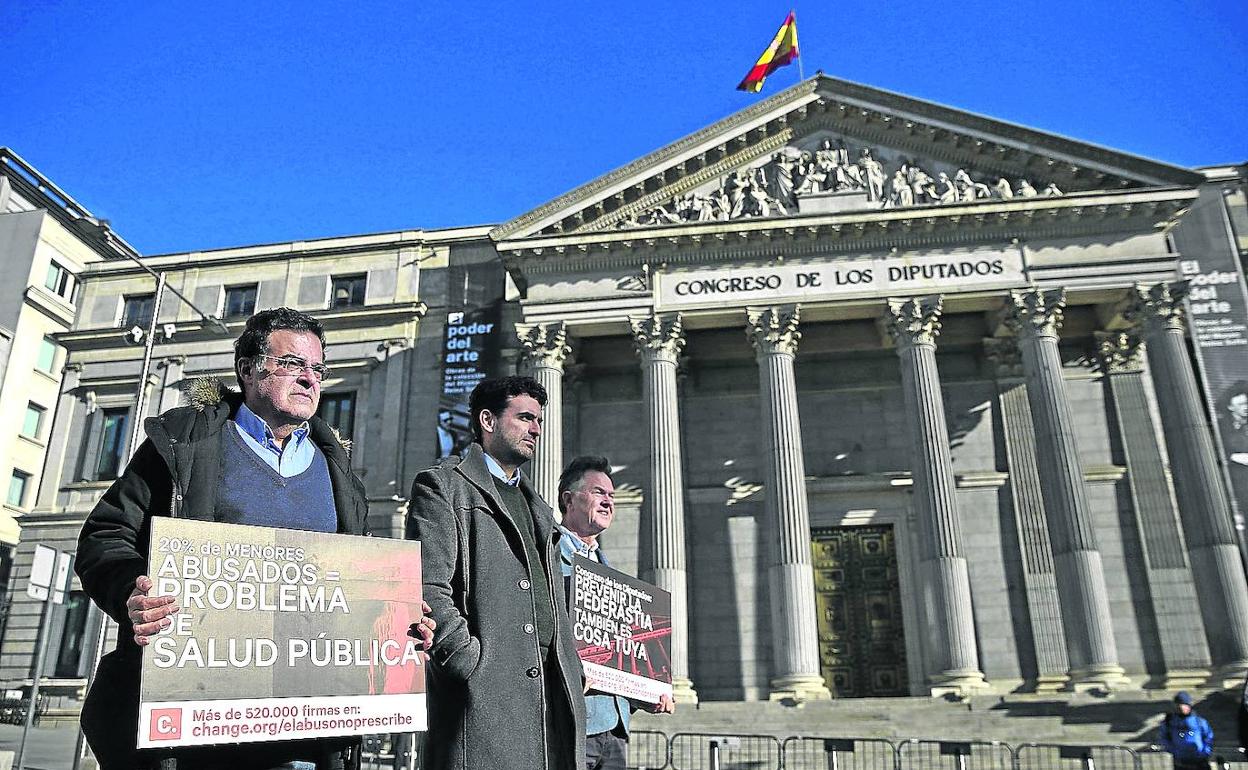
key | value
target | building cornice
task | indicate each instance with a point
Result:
(950, 225)
(370, 316)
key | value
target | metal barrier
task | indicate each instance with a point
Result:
(954, 755)
(1051, 756)
(647, 750)
(839, 754)
(706, 751)
(1224, 758)
(376, 753)
(391, 751)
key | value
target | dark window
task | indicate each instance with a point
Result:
(347, 290)
(338, 409)
(60, 281)
(112, 443)
(137, 311)
(69, 651)
(18, 484)
(240, 300)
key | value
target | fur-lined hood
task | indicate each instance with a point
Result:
(203, 393)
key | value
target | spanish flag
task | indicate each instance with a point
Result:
(782, 51)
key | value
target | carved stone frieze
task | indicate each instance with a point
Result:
(544, 345)
(827, 177)
(914, 321)
(774, 329)
(1158, 306)
(1035, 312)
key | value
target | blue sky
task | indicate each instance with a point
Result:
(201, 125)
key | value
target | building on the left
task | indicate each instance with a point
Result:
(47, 239)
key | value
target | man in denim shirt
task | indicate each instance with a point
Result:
(587, 502)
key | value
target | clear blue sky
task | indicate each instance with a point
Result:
(201, 125)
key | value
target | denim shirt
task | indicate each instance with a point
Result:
(602, 712)
(289, 460)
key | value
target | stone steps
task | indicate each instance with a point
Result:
(1124, 718)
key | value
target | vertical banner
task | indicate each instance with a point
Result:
(282, 635)
(470, 345)
(1217, 306)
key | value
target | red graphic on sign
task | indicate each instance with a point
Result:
(166, 725)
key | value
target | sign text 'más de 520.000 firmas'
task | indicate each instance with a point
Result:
(282, 634)
(884, 276)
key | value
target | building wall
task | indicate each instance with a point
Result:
(379, 352)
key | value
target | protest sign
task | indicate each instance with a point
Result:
(282, 634)
(623, 631)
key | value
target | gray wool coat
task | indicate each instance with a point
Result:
(486, 694)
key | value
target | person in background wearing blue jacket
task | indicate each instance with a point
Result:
(587, 502)
(1186, 735)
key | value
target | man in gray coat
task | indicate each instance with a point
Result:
(505, 683)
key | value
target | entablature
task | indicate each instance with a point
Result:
(1028, 219)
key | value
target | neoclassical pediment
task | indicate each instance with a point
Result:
(827, 146)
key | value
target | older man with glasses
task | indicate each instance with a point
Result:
(260, 457)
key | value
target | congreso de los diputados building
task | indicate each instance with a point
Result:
(904, 400)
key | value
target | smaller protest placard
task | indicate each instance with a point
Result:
(623, 632)
(282, 634)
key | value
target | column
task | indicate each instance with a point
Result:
(1035, 317)
(951, 652)
(790, 575)
(1171, 594)
(1048, 639)
(544, 348)
(58, 439)
(1157, 312)
(659, 340)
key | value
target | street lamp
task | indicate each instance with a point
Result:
(140, 407)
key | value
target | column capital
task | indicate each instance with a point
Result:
(1156, 307)
(544, 345)
(658, 336)
(1035, 312)
(773, 329)
(1006, 358)
(914, 321)
(1119, 352)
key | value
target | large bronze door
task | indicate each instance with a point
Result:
(862, 647)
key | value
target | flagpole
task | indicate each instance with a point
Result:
(801, 75)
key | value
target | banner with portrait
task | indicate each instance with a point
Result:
(1217, 308)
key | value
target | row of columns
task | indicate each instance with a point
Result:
(913, 324)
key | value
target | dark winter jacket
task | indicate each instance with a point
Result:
(486, 694)
(175, 473)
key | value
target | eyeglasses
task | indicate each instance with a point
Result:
(297, 365)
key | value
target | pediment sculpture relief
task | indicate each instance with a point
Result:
(833, 178)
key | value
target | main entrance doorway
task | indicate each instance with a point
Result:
(862, 646)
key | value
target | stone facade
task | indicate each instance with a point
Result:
(972, 367)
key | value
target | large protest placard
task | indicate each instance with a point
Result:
(282, 634)
(623, 631)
